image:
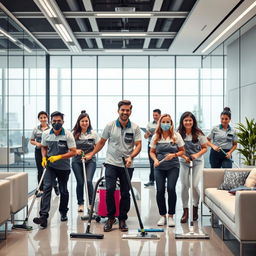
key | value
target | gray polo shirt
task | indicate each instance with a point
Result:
(223, 138)
(58, 145)
(86, 142)
(121, 141)
(151, 127)
(37, 134)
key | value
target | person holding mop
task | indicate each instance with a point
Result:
(166, 146)
(195, 146)
(124, 140)
(85, 138)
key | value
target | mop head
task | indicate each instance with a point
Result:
(22, 226)
(192, 235)
(86, 235)
(152, 230)
(140, 236)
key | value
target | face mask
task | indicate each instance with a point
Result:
(165, 127)
(56, 126)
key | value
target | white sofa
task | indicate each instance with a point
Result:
(236, 212)
(5, 195)
(18, 190)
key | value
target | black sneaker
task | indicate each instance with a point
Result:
(57, 191)
(109, 224)
(150, 183)
(64, 217)
(42, 221)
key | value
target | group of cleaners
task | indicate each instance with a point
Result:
(170, 152)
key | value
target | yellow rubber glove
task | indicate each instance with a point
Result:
(44, 162)
(53, 159)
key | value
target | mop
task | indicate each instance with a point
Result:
(143, 234)
(230, 159)
(191, 234)
(86, 217)
(24, 224)
(87, 234)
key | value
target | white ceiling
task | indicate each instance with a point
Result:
(203, 18)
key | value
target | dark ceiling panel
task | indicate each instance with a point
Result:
(20, 5)
(53, 43)
(37, 25)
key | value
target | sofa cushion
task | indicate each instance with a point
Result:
(233, 179)
(224, 200)
(251, 179)
(241, 188)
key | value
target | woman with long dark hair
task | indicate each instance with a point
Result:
(85, 138)
(195, 147)
(165, 148)
(222, 138)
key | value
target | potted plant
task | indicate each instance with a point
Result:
(247, 139)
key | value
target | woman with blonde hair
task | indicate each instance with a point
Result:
(165, 148)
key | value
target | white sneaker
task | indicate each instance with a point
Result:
(171, 222)
(162, 221)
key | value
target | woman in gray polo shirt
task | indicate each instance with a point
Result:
(195, 146)
(35, 140)
(224, 137)
(85, 138)
(166, 145)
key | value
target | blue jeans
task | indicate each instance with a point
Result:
(219, 160)
(172, 177)
(90, 167)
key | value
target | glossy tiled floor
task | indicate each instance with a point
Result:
(55, 239)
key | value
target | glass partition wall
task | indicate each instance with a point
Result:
(22, 83)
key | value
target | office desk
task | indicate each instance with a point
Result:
(6, 152)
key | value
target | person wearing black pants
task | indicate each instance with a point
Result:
(148, 135)
(223, 137)
(124, 140)
(166, 146)
(58, 145)
(35, 139)
(85, 138)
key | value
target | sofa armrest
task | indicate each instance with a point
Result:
(245, 215)
(19, 189)
(5, 192)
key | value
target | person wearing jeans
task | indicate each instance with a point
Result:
(195, 147)
(166, 146)
(86, 139)
(124, 140)
(223, 137)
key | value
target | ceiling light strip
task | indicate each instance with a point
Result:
(64, 33)
(123, 14)
(230, 26)
(48, 9)
(8, 35)
(128, 34)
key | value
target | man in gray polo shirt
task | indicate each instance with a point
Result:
(124, 140)
(58, 145)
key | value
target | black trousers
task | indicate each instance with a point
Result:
(219, 160)
(151, 163)
(111, 174)
(49, 181)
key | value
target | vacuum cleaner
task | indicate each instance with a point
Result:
(191, 234)
(230, 159)
(143, 234)
(88, 234)
(24, 224)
